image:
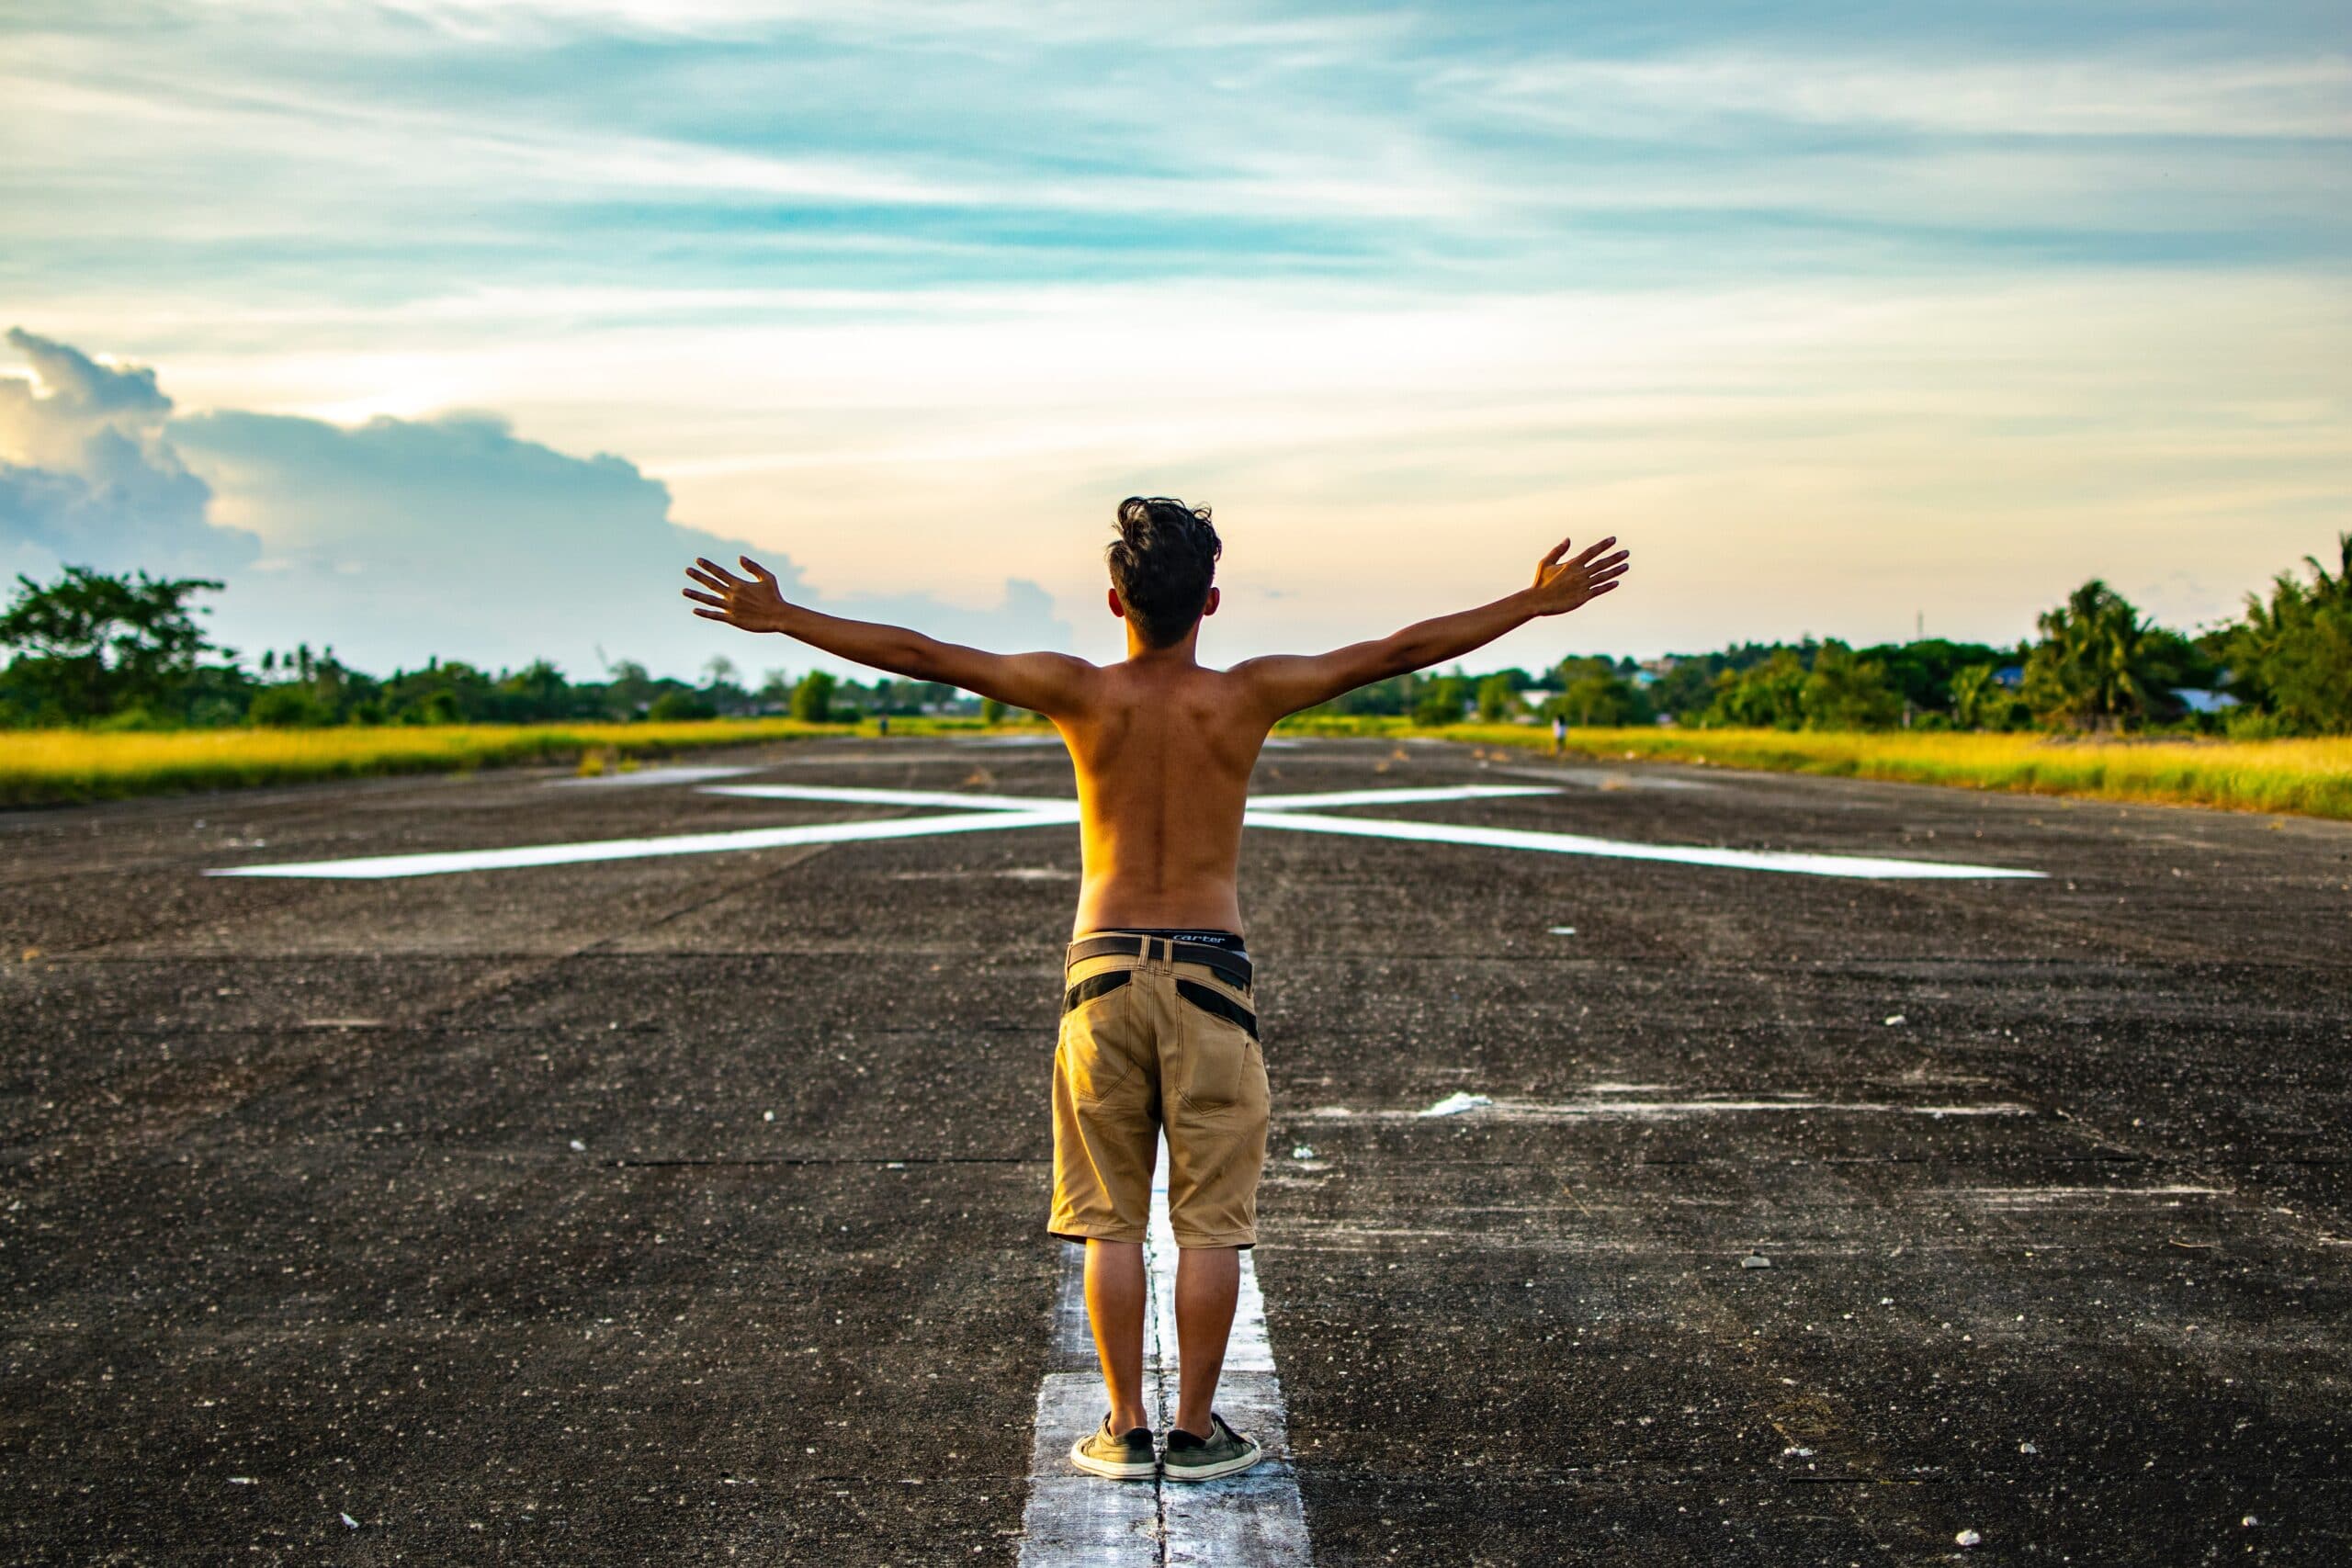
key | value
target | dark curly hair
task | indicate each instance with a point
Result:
(1163, 563)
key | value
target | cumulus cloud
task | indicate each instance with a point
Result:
(394, 539)
(88, 478)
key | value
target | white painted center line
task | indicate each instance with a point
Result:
(1074, 1520)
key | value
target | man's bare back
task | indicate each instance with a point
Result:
(1163, 751)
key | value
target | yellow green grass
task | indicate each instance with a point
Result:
(2306, 777)
(40, 767)
(2310, 778)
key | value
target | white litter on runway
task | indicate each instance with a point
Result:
(982, 812)
(1076, 1520)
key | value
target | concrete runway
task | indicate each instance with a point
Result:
(690, 1209)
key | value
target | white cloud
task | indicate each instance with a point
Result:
(87, 478)
(397, 538)
(394, 538)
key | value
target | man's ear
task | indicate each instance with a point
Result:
(1117, 608)
(1210, 607)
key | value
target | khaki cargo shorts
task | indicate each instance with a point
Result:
(1148, 1041)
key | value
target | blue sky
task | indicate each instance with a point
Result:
(465, 320)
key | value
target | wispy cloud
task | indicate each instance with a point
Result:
(2296, 96)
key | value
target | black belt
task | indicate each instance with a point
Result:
(1192, 991)
(1230, 967)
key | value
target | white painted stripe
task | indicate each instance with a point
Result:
(850, 795)
(433, 864)
(1414, 795)
(640, 778)
(1617, 848)
(1074, 1520)
(1254, 1517)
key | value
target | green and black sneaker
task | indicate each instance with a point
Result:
(1223, 1453)
(1101, 1452)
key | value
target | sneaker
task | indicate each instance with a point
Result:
(1223, 1453)
(1101, 1452)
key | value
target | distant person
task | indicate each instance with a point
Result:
(882, 725)
(1559, 734)
(1159, 1030)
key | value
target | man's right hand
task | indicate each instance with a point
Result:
(1564, 582)
(756, 606)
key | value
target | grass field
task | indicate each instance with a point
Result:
(2306, 777)
(2310, 778)
(44, 767)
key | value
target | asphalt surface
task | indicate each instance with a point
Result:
(691, 1209)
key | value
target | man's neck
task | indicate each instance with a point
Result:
(1181, 654)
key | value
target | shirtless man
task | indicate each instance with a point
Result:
(1158, 1032)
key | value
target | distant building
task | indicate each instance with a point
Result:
(2199, 699)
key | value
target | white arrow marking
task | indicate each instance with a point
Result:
(983, 813)
(896, 797)
(1617, 849)
(375, 866)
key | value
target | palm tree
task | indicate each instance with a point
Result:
(1979, 701)
(2098, 665)
(2295, 654)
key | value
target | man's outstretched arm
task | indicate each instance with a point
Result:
(1288, 682)
(1048, 683)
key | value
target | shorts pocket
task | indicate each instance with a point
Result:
(1219, 1050)
(1092, 1067)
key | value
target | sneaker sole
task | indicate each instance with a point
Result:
(1211, 1471)
(1109, 1471)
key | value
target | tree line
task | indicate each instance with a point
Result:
(130, 651)
(2283, 667)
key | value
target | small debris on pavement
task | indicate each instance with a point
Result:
(578, 1146)
(1756, 1260)
(1302, 1151)
(349, 1522)
(1456, 1103)
(1968, 1538)
(1893, 1018)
